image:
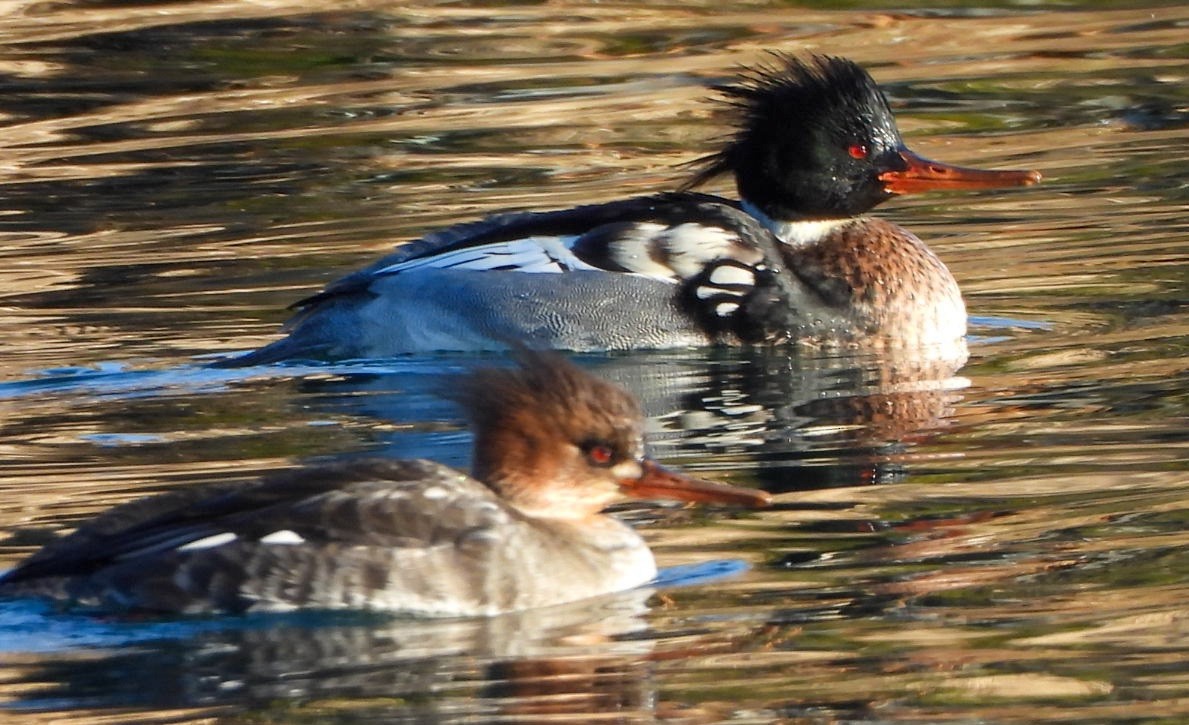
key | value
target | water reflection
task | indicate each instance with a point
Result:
(172, 179)
(799, 422)
(560, 659)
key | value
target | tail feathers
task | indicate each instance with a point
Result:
(328, 334)
(275, 352)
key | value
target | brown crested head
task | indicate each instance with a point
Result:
(558, 442)
(546, 421)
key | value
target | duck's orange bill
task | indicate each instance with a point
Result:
(925, 175)
(659, 482)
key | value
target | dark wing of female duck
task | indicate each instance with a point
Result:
(325, 537)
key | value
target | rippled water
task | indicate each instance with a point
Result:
(1001, 543)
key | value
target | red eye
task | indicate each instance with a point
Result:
(857, 151)
(600, 455)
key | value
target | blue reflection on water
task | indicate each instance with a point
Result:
(687, 575)
(32, 625)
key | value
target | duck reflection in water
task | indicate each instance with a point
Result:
(582, 657)
(802, 422)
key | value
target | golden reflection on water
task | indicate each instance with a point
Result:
(173, 175)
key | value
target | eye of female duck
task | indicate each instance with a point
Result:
(599, 453)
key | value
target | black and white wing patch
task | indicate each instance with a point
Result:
(529, 255)
(671, 238)
(708, 248)
(723, 287)
(666, 252)
(659, 251)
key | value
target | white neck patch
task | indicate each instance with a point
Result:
(797, 233)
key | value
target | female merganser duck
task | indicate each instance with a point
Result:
(794, 261)
(553, 446)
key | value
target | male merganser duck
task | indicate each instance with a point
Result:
(793, 261)
(553, 446)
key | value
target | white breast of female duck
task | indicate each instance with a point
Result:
(526, 564)
(507, 562)
(563, 560)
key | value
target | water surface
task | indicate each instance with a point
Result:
(1002, 541)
